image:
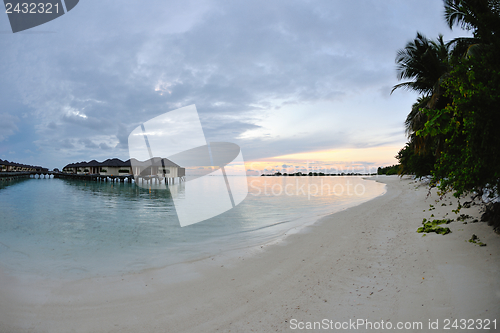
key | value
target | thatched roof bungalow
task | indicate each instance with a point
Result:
(6, 166)
(117, 167)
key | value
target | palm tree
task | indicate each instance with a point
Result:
(425, 61)
(482, 17)
(426, 64)
(416, 120)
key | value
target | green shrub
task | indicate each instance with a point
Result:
(433, 226)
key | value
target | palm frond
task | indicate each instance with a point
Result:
(416, 119)
(456, 12)
(482, 17)
(424, 61)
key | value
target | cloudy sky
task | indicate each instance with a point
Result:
(291, 82)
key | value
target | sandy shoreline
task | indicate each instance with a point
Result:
(365, 262)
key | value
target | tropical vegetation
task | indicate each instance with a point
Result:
(453, 128)
(389, 170)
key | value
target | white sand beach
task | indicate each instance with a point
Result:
(366, 262)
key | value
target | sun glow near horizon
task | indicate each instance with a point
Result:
(364, 160)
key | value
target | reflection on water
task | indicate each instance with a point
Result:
(72, 229)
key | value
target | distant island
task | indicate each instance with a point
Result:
(388, 170)
(300, 174)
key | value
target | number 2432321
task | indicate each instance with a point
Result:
(32, 8)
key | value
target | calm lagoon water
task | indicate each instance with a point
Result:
(59, 228)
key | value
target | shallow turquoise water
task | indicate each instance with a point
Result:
(73, 229)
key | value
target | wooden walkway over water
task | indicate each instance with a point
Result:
(153, 179)
(14, 175)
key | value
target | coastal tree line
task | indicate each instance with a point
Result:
(453, 128)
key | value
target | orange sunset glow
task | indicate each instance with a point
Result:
(358, 158)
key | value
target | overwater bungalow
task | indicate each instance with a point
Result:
(6, 166)
(115, 167)
(157, 166)
(110, 167)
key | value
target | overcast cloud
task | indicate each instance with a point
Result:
(275, 77)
